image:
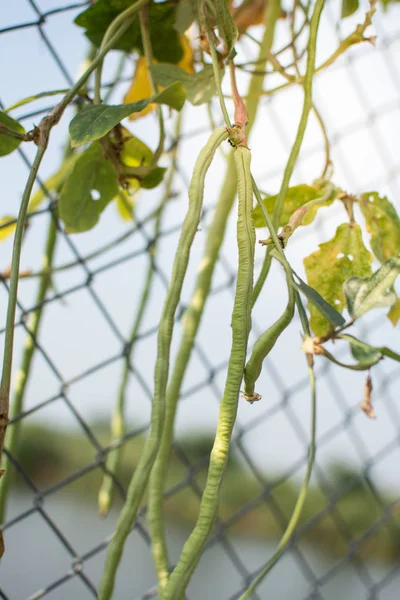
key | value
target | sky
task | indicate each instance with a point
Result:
(359, 99)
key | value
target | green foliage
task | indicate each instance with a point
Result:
(185, 15)
(135, 153)
(53, 183)
(383, 224)
(296, 196)
(349, 7)
(329, 267)
(324, 308)
(9, 144)
(95, 121)
(200, 87)
(364, 294)
(78, 206)
(164, 38)
(226, 26)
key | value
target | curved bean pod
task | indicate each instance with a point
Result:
(266, 342)
(140, 478)
(241, 324)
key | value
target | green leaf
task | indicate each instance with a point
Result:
(226, 26)
(329, 267)
(135, 153)
(199, 87)
(91, 185)
(153, 179)
(296, 196)
(372, 292)
(53, 183)
(383, 224)
(329, 312)
(349, 7)
(9, 144)
(95, 121)
(164, 38)
(363, 353)
(185, 15)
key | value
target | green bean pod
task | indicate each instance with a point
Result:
(141, 475)
(266, 342)
(241, 324)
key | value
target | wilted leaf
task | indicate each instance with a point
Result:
(394, 312)
(249, 13)
(90, 186)
(296, 196)
(9, 144)
(226, 26)
(141, 85)
(372, 292)
(125, 205)
(383, 224)
(164, 38)
(53, 183)
(328, 268)
(140, 88)
(95, 121)
(185, 15)
(6, 230)
(200, 87)
(349, 7)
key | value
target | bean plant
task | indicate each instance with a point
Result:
(186, 52)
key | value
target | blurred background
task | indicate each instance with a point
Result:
(349, 539)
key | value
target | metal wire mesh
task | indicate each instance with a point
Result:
(273, 432)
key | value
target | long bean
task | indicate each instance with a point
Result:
(241, 325)
(117, 422)
(267, 341)
(194, 312)
(140, 478)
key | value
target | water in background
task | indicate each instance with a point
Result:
(36, 558)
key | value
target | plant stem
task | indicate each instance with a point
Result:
(193, 314)
(214, 57)
(22, 376)
(12, 298)
(307, 105)
(148, 53)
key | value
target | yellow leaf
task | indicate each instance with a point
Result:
(140, 88)
(394, 312)
(186, 62)
(125, 204)
(6, 231)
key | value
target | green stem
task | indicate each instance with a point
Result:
(12, 298)
(294, 520)
(217, 77)
(22, 376)
(194, 312)
(148, 53)
(307, 105)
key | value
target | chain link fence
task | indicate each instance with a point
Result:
(349, 539)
